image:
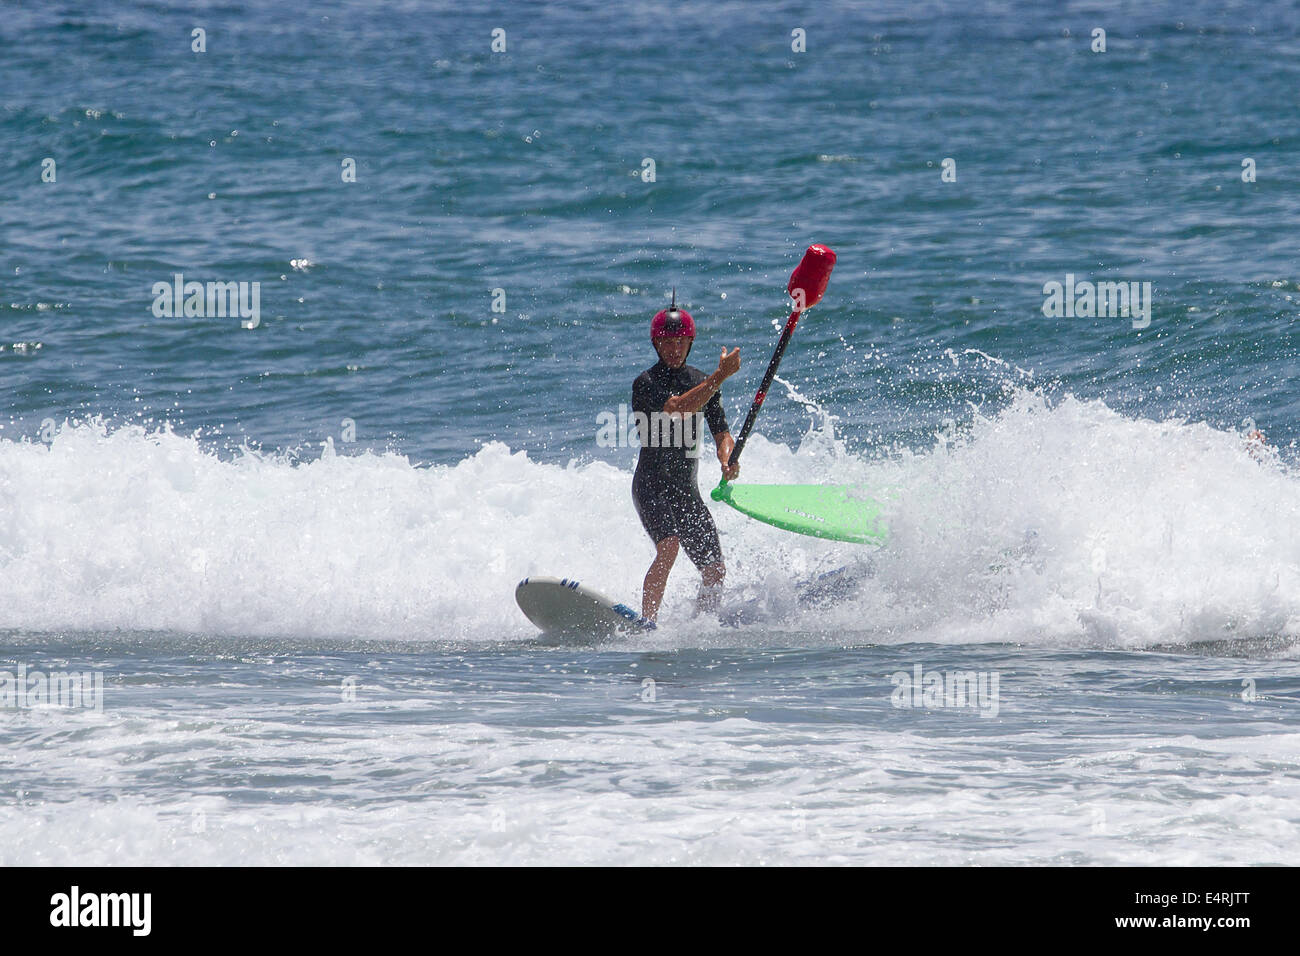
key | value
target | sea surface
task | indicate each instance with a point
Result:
(280, 545)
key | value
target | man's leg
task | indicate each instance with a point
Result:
(700, 539)
(711, 578)
(656, 579)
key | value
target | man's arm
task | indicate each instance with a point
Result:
(693, 400)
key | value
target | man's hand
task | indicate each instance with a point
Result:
(725, 443)
(729, 364)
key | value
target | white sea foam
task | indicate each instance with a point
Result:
(1053, 523)
(637, 793)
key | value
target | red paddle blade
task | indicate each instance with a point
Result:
(808, 282)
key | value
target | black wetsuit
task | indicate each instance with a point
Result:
(664, 487)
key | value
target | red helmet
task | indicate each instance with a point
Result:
(672, 323)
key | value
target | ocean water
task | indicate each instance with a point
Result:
(287, 552)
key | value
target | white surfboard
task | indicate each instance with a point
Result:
(564, 607)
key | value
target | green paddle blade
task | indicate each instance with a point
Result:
(838, 512)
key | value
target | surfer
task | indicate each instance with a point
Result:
(664, 487)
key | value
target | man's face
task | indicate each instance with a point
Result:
(673, 351)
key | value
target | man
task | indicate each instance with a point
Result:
(670, 397)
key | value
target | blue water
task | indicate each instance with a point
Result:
(228, 522)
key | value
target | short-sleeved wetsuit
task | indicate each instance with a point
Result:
(664, 487)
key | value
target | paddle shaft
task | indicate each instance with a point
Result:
(761, 395)
(807, 285)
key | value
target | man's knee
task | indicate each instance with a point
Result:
(666, 548)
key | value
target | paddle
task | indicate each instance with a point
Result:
(807, 286)
(836, 512)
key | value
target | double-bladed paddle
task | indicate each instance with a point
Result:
(824, 511)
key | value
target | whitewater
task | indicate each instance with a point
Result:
(317, 659)
(1048, 524)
